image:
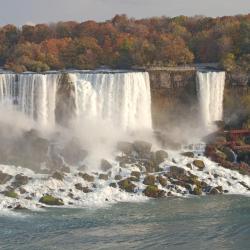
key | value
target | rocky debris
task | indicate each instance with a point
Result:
(51, 200)
(143, 148)
(11, 194)
(87, 177)
(20, 180)
(4, 178)
(58, 176)
(79, 186)
(160, 156)
(103, 177)
(105, 165)
(199, 164)
(127, 185)
(149, 180)
(126, 148)
(153, 192)
(188, 154)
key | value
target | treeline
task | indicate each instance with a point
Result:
(123, 42)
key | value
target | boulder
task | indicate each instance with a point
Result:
(175, 172)
(196, 191)
(125, 147)
(113, 185)
(153, 192)
(4, 178)
(103, 177)
(58, 176)
(11, 194)
(51, 200)
(149, 180)
(136, 174)
(87, 177)
(118, 177)
(214, 191)
(127, 185)
(230, 155)
(79, 186)
(162, 180)
(199, 164)
(142, 148)
(20, 180)
(160, 156)
(188, 154)
(105, 165)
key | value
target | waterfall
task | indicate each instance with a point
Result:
(210, 87)
(123, 99)
(31, 94)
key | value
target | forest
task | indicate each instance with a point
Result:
(124, 42)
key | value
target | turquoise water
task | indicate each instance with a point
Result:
(219, 222)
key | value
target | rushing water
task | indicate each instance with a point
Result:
(212, 222)
(210, 87)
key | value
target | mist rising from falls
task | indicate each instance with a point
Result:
(31, 94)
(210, 88)
(121, 99)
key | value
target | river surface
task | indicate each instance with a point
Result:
(215, 222)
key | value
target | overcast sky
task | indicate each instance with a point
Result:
(43, 11)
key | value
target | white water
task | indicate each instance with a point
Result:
(210, 86)
(122, 99)
(31, 94)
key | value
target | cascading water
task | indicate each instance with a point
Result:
(31, 94)
(210, 87)
(123, 99)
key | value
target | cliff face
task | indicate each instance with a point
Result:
(173, 93)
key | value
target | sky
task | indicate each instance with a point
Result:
(21, 12)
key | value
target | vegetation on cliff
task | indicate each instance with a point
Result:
(123, 42)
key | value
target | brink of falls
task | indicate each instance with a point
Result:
(123, 99)
(210, 88)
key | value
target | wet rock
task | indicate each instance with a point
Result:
(214, 191)
(118, 177)
(242, 183)
(188, 165)
(197, 191)
(22, 190)
(58, 176)
(79, 186)
(20, 207)
(103, 177)
(153, 192)
(51, 200)
(133, 178)
(136, 174)
(160, 156)
(87, 177)
(113, 185)
(149, 180)
(105, 165)
(199, 164)
(175, 172)
(188, 154)
(142, 148)
(11, 194)
(65, 169)
(125, 147)
(4, 178)
(162, 180)
(230, 156)
(20, 180)
(127, 185)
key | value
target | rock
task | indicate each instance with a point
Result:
(242, 183)
(87, 177)
(127, 185)
(20, 180)
(162, 180)
(133, 178)
(188, 154)
(4, 178)
(22, 190)
(79, 186)
(136, 174)
(142, 148)
(188, 165)
(118, 177)
(105, 165)
(19, 207)
(214, 191)
(153, 192)
(125, 147)
(160, 156)
(199, 164)
(197, 191)
(11, 194)
(51, 201)
(175, 172)
(103, 177)
(65, 169)
(58, 176)
(149, 180)
(230, 155)
(113, 184)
